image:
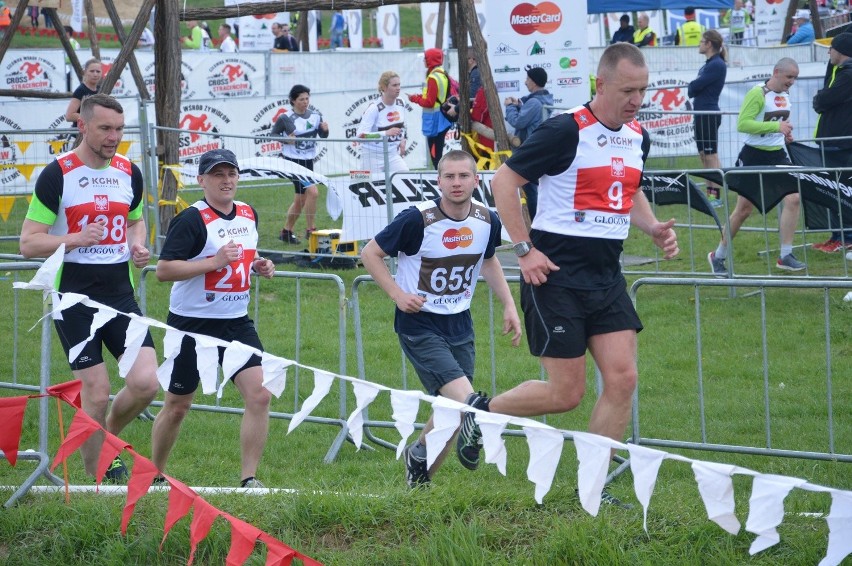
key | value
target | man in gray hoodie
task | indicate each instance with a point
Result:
(526, 114)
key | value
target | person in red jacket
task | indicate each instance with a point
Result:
(479, 113)
(436, 91)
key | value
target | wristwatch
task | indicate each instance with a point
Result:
(522, 248)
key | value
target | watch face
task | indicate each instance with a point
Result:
(522, 248)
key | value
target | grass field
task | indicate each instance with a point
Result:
(357, 509)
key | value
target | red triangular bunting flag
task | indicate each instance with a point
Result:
(203, 515)
(243, 537)
(68, 392)
(143, 474)
(111, 448)
(11, 422)
(82, 427)
(180, 500)
(277, 553)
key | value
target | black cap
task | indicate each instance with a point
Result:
(537, 74)
(689, 11)
(214, 157)
(842, 43)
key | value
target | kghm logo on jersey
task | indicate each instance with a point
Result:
(101, 203)
(545, 17)
(601, 140)
(453, 238)
(617, 167)
(83, 182)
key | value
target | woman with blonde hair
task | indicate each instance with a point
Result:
(384, 118)
(92, 74)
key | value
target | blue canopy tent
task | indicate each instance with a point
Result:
(614, 6)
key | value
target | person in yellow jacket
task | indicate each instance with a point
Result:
(689, 33)
(644, 36)
(436, 91)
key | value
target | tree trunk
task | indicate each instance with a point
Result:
(93, 29)
(439, 27)
(167, 53)
(129, 44)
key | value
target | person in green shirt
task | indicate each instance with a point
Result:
(198, 37)
(737, 20)
(765, 119)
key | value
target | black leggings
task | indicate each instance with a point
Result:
(436, 147)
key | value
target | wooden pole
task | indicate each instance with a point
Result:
(458, 31)
(129, 42)
(439, 26)
(66, 43)
(167, 54)
(93, 29)
(302, 31)
(495, 106)
(16, 20)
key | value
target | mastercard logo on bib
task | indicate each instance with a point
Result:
(453, 238)
(545, 17)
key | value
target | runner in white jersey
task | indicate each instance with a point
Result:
(302, 124)
(442, 245)
(90, 200)
(384, 118)
(210, 252)
(765, 118)
(589, 165)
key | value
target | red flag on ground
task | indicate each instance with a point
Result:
(111, 448)
(82, 427)
(277, 553)
(11, 423)
(180, 500)
(203, 515)
(243, 537)
(143, 475)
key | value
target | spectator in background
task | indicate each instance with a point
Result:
(198, 38)
(70, 32)
(338, 26)
(473, 74)
(625, 31)
(227, 43)
(5, 18)
(48, 21)
(804, 29)
(525, 115)
(300, 125)
(706, 89)
(765, 119)
(146, 39)
(92, 74)
(384, 118)
(481, 120)
(33, 16)
(689, 33)
(835, 121)
(283, 40)
(644, 36)
(737, 20)
(437, 90)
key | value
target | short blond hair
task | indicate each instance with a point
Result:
(385, 79)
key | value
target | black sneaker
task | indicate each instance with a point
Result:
(609, 499)
(160, 481)
(416, 472)
(288, 237)
(469, 441)
(117, 472)
(252, 482)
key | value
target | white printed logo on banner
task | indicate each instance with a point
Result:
(186, 70)
(669, 132)
(202, 119)
(30, 72)
(123, 86)
(8, 154)
(231, 77)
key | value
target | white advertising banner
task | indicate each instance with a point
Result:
(33, 70)
(255, 32)
(387, 23)
(523, 35)
(355, 28)
(313, 17)
(429, 25)
(769, 16)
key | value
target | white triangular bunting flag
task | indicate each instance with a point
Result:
(492, 426)
(137, 329)
(45, 277)
(839, 528)
(717, 492)
(207, 362)
(594, 456)
(766, 508)
(365, 393)
(405, 405)
(274, 373)
(545, 446)
(445, 420)
(101, 317)
(236, 356)
(171, 348)
(644, 465)
(322, 385)
(67, 300)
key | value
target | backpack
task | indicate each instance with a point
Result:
(451, 100)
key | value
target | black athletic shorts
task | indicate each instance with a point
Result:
(751, 157)
(559, 321)
(76, 324)
(298, 186)
(438, 360)
(707, 133)
(185, 377)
